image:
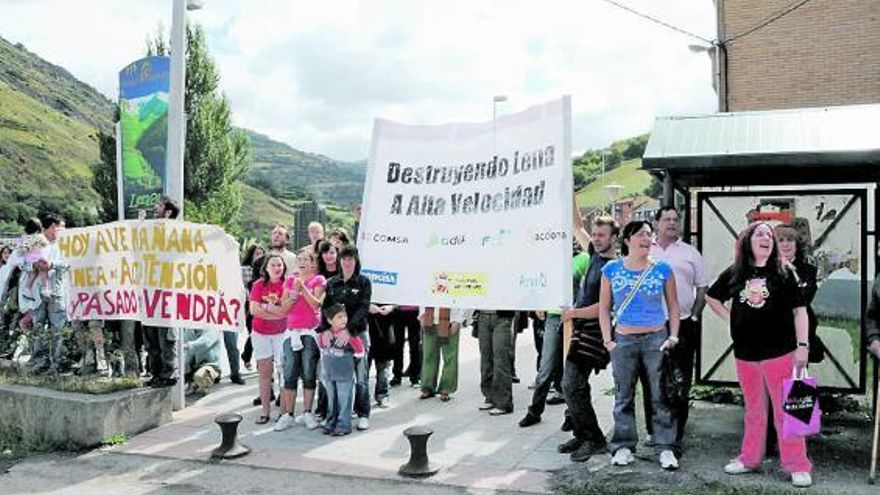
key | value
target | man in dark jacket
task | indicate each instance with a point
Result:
(353, 290)
(583, 357)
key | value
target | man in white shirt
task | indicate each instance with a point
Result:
(50, 316)
(691, 281)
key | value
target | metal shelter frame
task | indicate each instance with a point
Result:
(818, 147)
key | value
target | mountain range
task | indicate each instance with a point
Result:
(49, 122)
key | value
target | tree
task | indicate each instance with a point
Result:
(654, 189)
(217, 155)
(104, 178)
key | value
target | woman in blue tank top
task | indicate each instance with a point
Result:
(631, 304)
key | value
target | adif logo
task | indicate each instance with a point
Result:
(454, 240)
(496, 239)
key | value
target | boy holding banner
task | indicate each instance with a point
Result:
(161, 342)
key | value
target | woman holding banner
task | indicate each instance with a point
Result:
(269, 324)
(769, 327)
(634, 288)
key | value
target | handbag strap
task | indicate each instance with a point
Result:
(804, 373)
(632, 292)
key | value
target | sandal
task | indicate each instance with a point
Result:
(263, 420)
(445, 397)
(426, 395)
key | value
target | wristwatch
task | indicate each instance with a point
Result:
(803, 344)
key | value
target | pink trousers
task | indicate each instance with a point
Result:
(758, 380)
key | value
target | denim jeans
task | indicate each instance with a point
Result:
(338, 404)
(576, 384)
(683, 353)
(551, 364)
(382, 371)
(230, 342)
(49, 319)
(633, 351)
(301, 364)
(362, 387)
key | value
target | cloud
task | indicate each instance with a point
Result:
(316, 74)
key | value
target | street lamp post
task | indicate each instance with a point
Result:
(175, 149)
(604, 154)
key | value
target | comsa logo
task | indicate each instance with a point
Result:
(387, 238)
(549, 235)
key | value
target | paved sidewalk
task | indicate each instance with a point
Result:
(475, 450)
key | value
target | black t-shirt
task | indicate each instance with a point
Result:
(761, 316)
(590, 285)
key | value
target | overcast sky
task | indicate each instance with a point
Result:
(316, 74)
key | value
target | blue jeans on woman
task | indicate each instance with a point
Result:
(633, 351)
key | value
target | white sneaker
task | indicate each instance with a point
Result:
(622, 457)
(801, 480)
(300, 419)
(668, 460)
(284, 422)
(363, 423)
(310, 421)
(383, 402)
(737, 467)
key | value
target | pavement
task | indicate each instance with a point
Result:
(475, 452)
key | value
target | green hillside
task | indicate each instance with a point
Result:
(628, 174)
(48, 143)
(260, 212)
(54, 87)
(296, 174)
(45, 160)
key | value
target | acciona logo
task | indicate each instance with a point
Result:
(548, 235)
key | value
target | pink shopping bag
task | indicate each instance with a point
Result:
(801, 416)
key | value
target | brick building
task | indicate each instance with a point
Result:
(822, 53)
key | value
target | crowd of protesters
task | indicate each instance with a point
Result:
(639, 295)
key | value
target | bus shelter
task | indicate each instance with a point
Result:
(816, 168)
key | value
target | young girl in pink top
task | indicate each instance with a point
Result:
(269, 322)
(303, 295)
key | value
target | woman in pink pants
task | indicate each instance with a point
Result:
(768, 325)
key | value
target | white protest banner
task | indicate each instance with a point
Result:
(471, 215)
(165, 273)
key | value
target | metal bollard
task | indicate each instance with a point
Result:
(229, 447)
(418, 465)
